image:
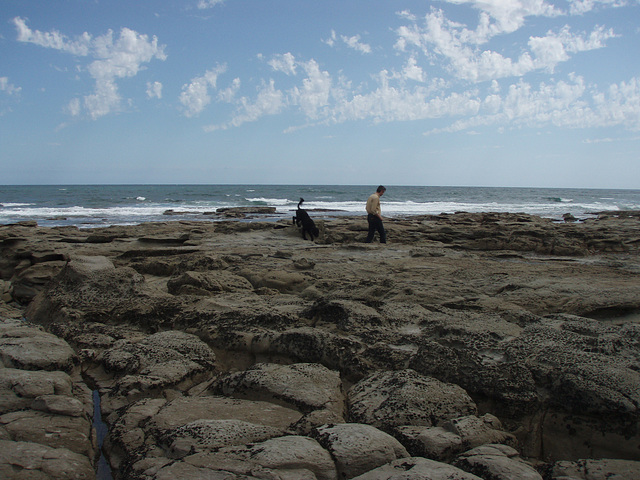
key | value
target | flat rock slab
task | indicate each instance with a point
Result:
(188, 409)
(305, 386)
(603, 469)
(496, 462)
(417, 468)
(26, 347)
(28, 461)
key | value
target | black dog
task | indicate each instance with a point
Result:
(303, 219)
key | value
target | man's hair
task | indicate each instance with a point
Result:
(381, 189)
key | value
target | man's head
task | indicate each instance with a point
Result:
(381, 190)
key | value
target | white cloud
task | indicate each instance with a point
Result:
(204, 4)
(314, 92)
(284, 63)
(388, 103)
(352, 42)
(269, 101)
(508, 15)
(440, 38)
(331, 41)
(54, 39)
(8, 88)
(412, 71)
(195, 95)
(73, 107)
(561, 104)
(228, 94)
(115, 58)
(611, 140)
(555, 48)
(580, 7)
(154, 90)
(355, 43)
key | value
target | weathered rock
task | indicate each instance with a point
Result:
(26, 347)
(390, 399)
(312, 345)
(453, 436)
(282, 281)
(602, 469)
(417, 468)
(186, 471)
(305, 386)
(481, 301)
(210, 435)
(314, 419)
(59, 405)
(496, 462)
(27, 283)
(19, 388)
(346, 315)
(207, 283)
(86, 287)
(288, 457)
(157, 362)
(358, 448)
(56, 431)
(188, 409)
(260, 210)
(29, 461)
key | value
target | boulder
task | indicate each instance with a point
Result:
(87, 287)
(26, 347)
(29, 461)
(159, 361)
(282, 281)
(27, 283)
(346, 315)
(305, 386)
(56, 431)
(59, 405)
(288, 457)
(19, 388)
(496, 462)
(417, 468)
(596, 469)
(207, 283)
(453, 436)
(184, 410)
(314, 345)
(390, 399)
(210, 435)
(358, 448)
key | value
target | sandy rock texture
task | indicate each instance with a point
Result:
(492, 346)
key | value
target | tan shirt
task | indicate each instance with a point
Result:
(373, 204)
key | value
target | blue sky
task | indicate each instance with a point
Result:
(534, 93)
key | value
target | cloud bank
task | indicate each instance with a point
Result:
(438, 68)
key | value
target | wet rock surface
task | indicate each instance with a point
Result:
(470, 346)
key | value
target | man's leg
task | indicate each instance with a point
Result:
(372, 228)
(383, 234)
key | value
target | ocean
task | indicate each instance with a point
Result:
(88, 206)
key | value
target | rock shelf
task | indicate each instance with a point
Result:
(491, 346)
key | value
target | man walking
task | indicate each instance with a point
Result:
(374, 216)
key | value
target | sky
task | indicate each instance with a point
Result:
(532, 93)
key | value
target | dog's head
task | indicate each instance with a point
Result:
(315, 231)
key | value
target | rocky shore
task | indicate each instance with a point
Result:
(471, 346)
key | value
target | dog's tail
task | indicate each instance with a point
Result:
(300, 203)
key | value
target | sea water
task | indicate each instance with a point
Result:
(89, 206)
